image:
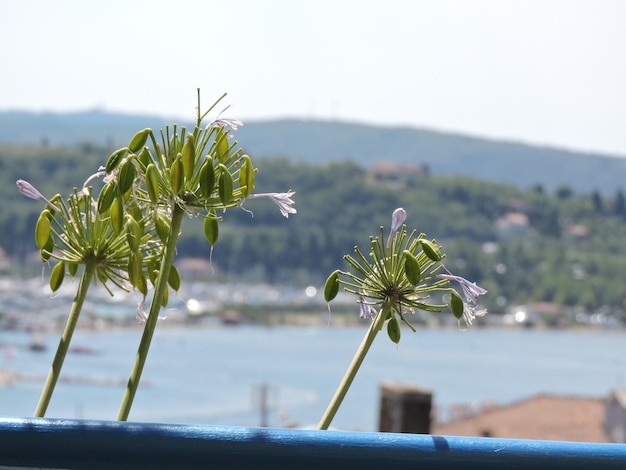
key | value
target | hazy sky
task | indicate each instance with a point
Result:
(541, 71)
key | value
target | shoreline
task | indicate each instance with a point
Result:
(215, 323)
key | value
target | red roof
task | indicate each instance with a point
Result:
(543, 417)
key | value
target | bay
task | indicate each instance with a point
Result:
(215, 375)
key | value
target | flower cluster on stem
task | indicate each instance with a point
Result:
(398, 278)
(127, 236)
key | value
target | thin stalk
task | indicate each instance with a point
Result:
(354, 366)
(66, 337)
(153, 315)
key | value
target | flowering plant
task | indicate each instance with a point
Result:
(128, 235)
(73, 233)
(400, 277)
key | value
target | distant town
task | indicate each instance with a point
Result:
(27, 304)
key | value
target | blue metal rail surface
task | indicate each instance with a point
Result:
(57, 443)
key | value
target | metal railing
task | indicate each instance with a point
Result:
(58, 443)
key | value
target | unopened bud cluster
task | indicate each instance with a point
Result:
(402, 275)
(122, 232)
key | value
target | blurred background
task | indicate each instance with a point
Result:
(498, 126)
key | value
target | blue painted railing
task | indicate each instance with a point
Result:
(54, 443)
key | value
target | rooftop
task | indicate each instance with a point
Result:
(542, 417)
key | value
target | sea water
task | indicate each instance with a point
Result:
(216, 375)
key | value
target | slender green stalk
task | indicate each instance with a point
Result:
(66, 337)
(153, 316)
(354, 366)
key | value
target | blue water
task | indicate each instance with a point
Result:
(213, 375)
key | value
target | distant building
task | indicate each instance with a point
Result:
(512, 224)
(397, 175)
(546, 417)
(575, 233)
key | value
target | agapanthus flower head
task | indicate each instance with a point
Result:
(78, 235)
(400, 277)
(396, 279)
(282, 200)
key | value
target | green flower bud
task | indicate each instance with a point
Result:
(431, 250)
(134, 210)
(211, 229)
(162, 227)
(177, 175)
(246, 176)
(456, 305)
(221, 145)
(116, 212)
(57, 275)
(115, 159)
(207, 177)
(42, 229)
(225, 188)
(393, 329)
(134, 232)
(106, 196)
(189, 157)
(135, 272)
(139, 140)
(152, 183)
(72, 268)
(174, 278)
(411, 268)
(144, 157)
(331, 288)
(127, 175)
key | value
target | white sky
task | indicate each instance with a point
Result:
(541, 71)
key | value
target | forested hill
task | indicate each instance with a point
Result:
(322, 141)
(444, 153)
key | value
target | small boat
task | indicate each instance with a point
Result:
(83, 349)
(37, 343)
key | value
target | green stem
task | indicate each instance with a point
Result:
(66, 337)
(354, 366)
(153, 316)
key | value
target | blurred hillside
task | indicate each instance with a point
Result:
(323, 141)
